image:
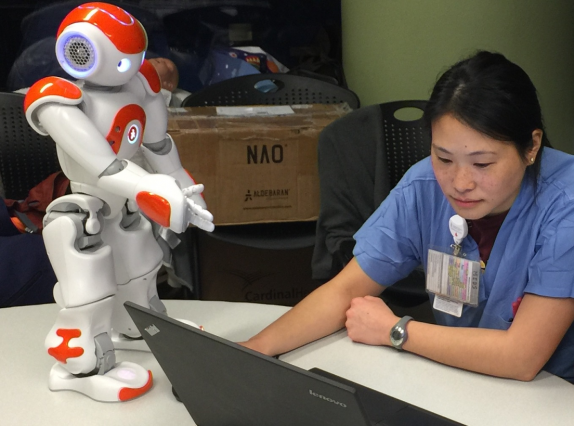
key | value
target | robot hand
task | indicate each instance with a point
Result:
(196, 214)
(160, 197)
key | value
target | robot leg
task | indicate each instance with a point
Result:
(80, 339)
(137, 258)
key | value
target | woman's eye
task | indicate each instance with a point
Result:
(444, 160)
(482, 165)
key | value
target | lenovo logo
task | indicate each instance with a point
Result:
(323, 397)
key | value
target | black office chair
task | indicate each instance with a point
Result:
(271, 89)
(362, 156)
(26, 158)
(406, 141)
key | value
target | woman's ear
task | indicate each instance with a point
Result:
(536, 143)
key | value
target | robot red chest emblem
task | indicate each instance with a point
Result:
(127, 126)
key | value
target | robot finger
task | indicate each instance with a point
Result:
(200, 217)
(193, 189)
(199, 211)
(203, 224)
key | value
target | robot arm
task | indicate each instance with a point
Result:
(158, 147)
(159, 196)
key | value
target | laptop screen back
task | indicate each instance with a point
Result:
(222, 383)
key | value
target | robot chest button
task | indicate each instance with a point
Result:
(128, 125)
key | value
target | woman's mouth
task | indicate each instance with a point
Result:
(465, 203)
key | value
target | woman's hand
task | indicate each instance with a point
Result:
(252, 344)
(369, 321)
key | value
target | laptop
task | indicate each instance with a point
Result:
(222, 383)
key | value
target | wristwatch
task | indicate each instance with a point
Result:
(399, 333)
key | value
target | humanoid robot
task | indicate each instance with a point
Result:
(100, 245)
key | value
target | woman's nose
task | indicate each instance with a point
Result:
(463, 180)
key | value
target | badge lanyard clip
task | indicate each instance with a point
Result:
(459, 230)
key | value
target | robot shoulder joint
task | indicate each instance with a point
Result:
(49, 89)
(150, 78)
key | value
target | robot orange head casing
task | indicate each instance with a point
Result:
(101, 43)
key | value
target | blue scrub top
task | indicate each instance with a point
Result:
(533, 251)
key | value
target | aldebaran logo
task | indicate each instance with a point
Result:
(323, 397)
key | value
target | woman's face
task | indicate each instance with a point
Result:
(479, 176)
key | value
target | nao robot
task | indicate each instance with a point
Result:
(101, 247)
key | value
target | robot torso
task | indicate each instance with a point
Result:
(119, 115)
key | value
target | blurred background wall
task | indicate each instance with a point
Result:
(395, 49)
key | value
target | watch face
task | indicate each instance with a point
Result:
(397, 336)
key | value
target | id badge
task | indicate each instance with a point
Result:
(454, 280)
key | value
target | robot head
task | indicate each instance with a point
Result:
(101, 43)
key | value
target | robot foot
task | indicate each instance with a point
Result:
(123, 382)
(126, 343)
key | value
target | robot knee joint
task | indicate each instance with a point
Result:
(86, 214)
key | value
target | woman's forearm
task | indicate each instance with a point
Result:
(519, 352)
(310, 320)
(476, 349)
(318, 315)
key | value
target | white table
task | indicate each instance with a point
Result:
(469, 398)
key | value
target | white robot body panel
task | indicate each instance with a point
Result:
(83, 264)
(82, 277)
(126, 242)
(82, 141)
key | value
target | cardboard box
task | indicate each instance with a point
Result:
(258, 164)
(234, 272)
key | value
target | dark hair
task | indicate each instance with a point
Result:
(493, 96)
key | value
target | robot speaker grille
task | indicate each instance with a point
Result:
(79, 53)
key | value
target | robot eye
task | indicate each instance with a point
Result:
(124, 65)
(79, 53)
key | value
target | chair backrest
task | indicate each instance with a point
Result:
(271, 89)
(26, 158)
(362, 156)
(406, 142)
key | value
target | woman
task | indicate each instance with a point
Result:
(491, 164)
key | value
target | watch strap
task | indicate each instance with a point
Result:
(400, 327)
